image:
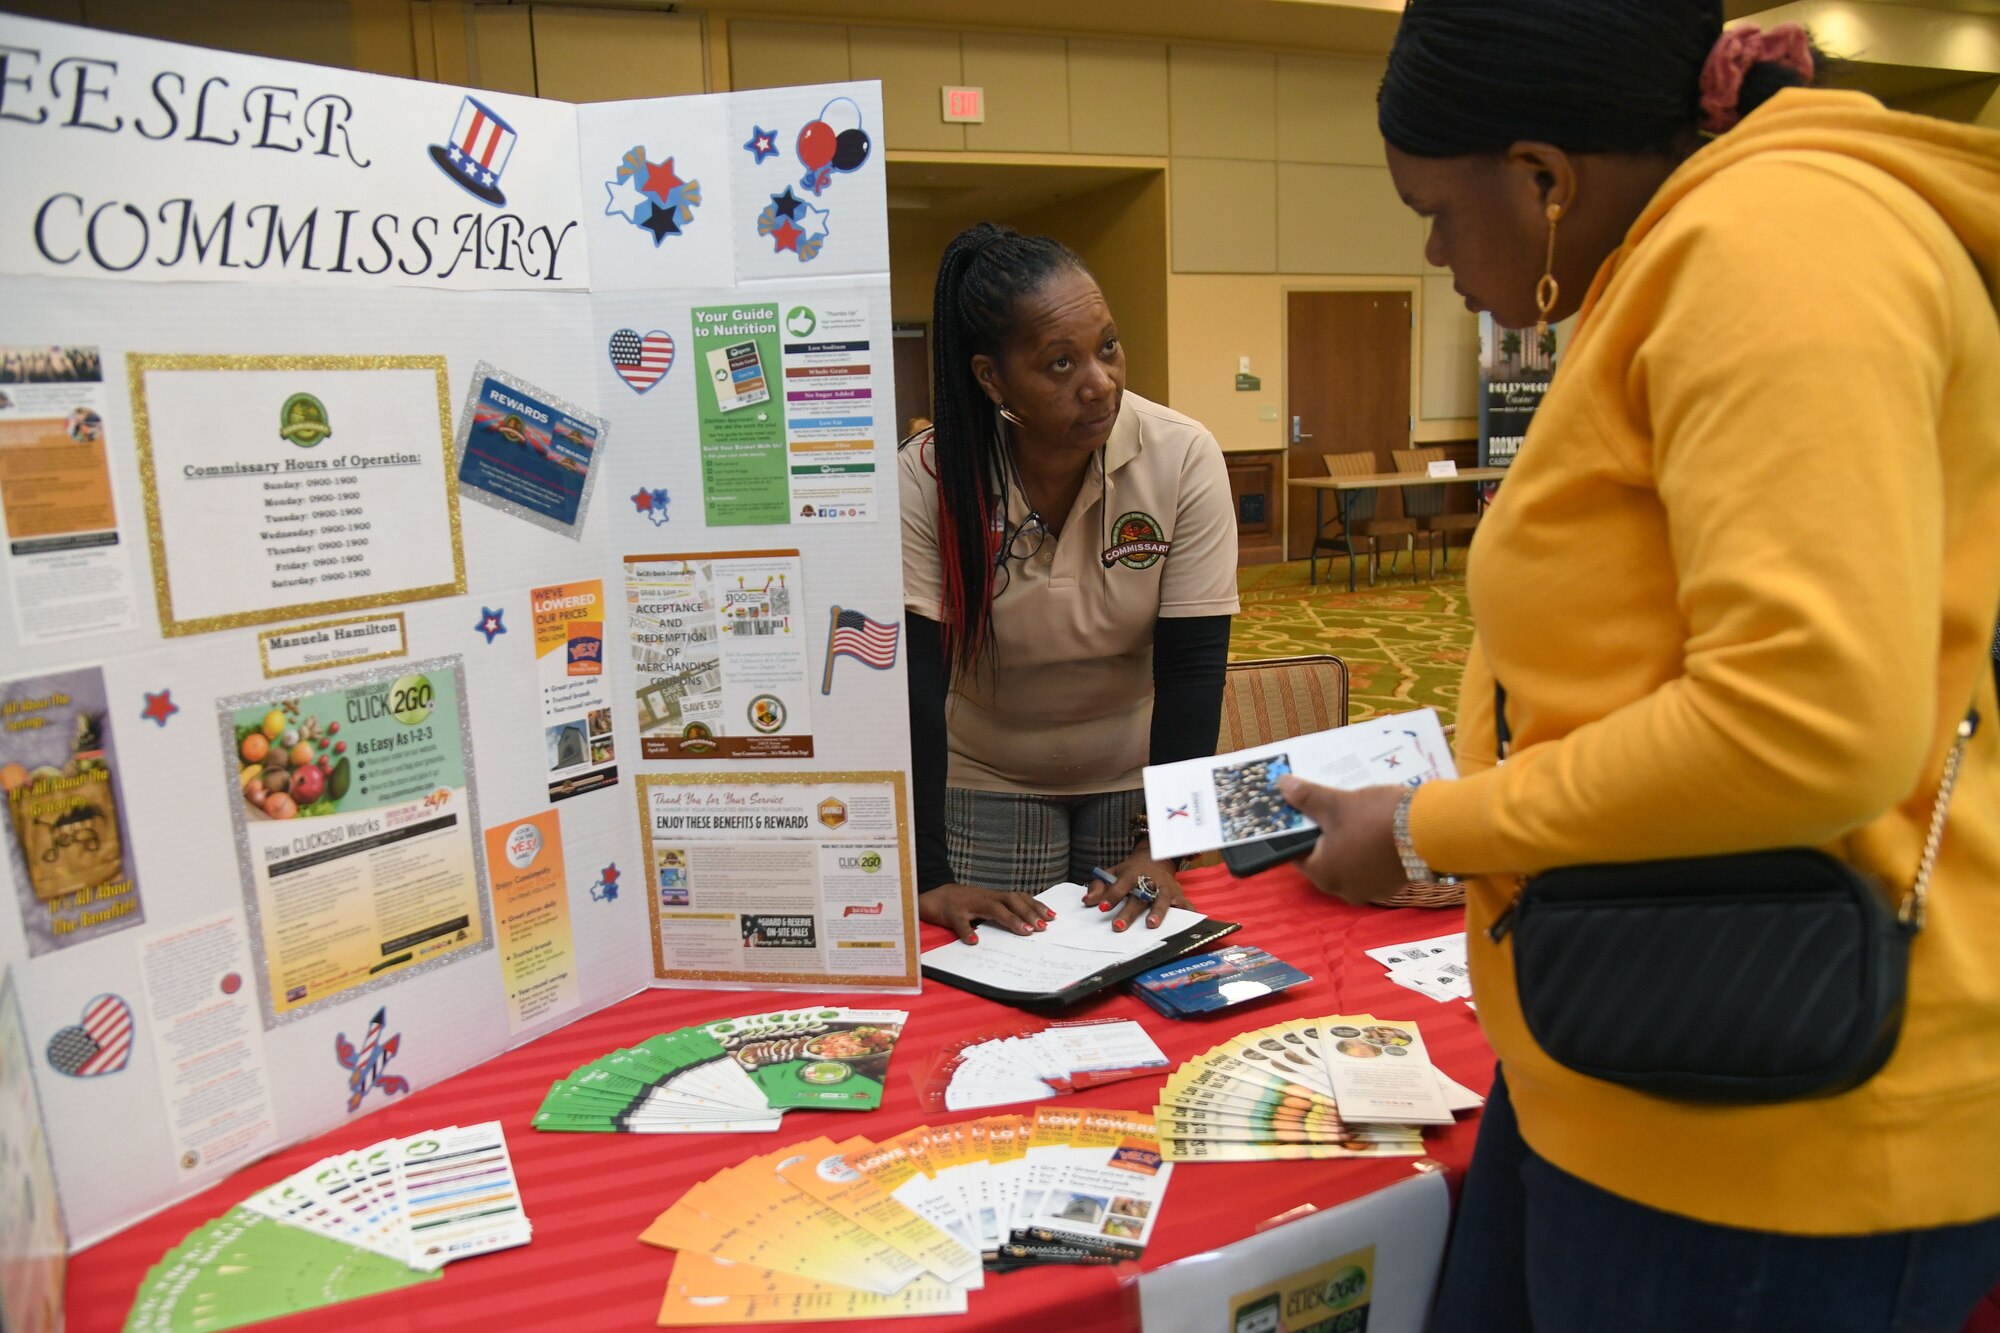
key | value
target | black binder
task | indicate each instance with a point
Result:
(1192, 940)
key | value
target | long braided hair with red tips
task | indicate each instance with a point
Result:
(982, 278)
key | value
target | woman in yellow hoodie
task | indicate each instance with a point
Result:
(1739, 587)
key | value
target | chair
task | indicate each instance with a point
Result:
(1426, 505)
(1296, 696)
(1358, 509)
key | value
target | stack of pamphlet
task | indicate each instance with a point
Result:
(738, 1075)
(1030, 1059)
(862, 1230)
(352, 1225)
(1347, 1085)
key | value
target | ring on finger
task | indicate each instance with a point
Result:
(1146, 890)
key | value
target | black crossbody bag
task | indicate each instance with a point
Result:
(1749, 978)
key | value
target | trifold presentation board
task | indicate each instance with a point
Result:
(451, 581)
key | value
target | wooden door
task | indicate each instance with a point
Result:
(913, 374)
(1347, 386)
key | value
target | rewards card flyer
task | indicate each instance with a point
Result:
(526, 452)
(356, 828)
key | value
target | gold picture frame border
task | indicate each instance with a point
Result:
(137, 364)
(911, 979)
(264, 637)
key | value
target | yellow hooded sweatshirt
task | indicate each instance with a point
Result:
(1740, 586)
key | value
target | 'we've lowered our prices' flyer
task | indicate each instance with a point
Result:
(356, 829)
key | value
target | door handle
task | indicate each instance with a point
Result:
(1299, 436)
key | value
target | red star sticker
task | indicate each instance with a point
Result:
(787, 236)
(160, 707)
(610, 875)
(660, 179)
(643, 500)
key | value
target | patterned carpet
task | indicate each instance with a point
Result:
(1404, 641)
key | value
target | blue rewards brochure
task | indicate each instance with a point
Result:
(1206, 982)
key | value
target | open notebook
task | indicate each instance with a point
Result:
(1078, 954)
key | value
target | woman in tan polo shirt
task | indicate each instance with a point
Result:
(1069, 571)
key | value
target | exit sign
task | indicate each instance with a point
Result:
(965, 106)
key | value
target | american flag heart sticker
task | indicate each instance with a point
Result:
(642, 360)
(101, 1044)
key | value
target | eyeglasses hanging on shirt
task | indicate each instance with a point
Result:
(1025, 540)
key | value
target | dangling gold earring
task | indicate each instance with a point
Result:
(1548, 291)
(1007, 415)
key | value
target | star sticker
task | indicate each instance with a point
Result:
(159, 707)
(661, 181)
(642, 500)
(787, 204)
(658, 513)
(818, 222)
(786, 236)
(623, 200)
(607, 880)
(763, 143)
(661, 223)
(489, 623)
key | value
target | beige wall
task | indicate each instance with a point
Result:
(322, 31)
(607, 55)
(1214, 319)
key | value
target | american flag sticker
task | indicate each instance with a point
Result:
(855, 635)
(100, 1044)
(641, 360)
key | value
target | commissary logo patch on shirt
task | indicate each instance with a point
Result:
(1138, 542)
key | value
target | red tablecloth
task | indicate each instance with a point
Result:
(589, 1195)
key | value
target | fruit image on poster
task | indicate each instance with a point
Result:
(68, 839)
(356, 829)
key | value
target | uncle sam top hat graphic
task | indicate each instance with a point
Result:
(480, 145)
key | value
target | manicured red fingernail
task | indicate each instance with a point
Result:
(1041, 925)
(1118, 925)
(1104, 907)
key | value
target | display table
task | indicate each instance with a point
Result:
(590, 1195)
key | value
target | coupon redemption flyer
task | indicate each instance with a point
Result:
(356, 829)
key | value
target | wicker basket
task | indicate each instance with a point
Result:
(1423, 895)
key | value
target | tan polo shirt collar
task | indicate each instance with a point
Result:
(1123, 446)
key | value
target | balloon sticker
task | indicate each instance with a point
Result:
(834, 142)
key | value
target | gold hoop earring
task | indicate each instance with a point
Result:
(1548, 291)
(1007, 415)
